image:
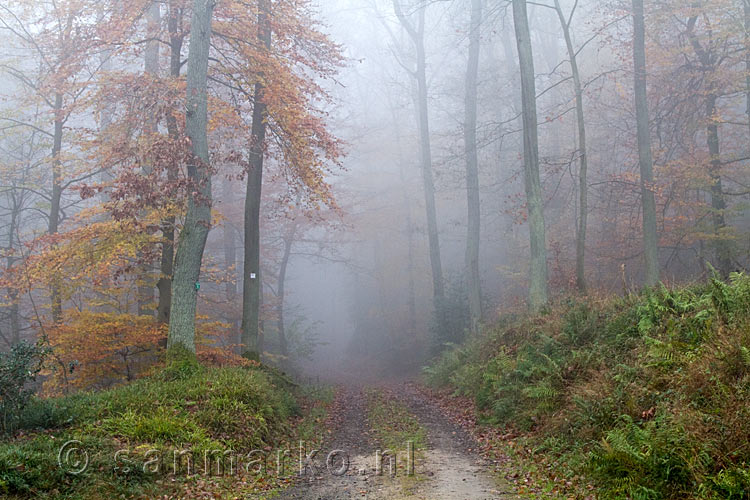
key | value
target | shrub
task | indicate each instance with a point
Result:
(18, 367)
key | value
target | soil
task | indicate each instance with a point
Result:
(448, 469)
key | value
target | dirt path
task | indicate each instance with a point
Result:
(447, 469)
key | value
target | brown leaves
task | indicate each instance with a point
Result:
(95, 350)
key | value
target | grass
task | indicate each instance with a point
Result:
(131, 434)
(394, 425)
(396, 429)
(643, 397)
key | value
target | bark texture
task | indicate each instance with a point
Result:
(197, 223)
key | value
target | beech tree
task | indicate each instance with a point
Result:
(192, 241)
(538, 294)
(252, 289)
(472, 167)
(583, 187)
(416, 34)
(650, 239)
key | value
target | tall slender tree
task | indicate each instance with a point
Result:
(416, 33)
(538, 295)
(472, 167)
(176, 35)
(151, 68)
(583, 208)
(650, 239)
(288, 239)
(709, 62)
(197, 223)
(251, 282)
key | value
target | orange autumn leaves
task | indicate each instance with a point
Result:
(125, 154)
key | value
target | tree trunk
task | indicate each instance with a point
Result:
(538, 266)
(288, 241)
(54, 212)
(261, 324)
(582, 152)
(151, 54)
(197, 223)
(105, 120)
(230, 251)
(251, 286)
(417, 36)
(15, 327)
(746, 6)
(164, 285)
(151, 67)
(650, 239)
(718, 204)
(474, 289)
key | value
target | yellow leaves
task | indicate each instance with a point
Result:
(99, 349)
(89, 258)
(222, 115)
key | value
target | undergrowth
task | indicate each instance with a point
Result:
(647, 397)
(209, 413)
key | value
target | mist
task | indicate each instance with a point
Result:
(416, 178)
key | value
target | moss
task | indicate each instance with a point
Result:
(181, 363)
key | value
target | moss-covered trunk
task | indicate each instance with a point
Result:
(192, 240)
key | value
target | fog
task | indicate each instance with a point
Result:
(362, 306)
(349, 263)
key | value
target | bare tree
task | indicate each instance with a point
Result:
(650, 240)
(472, 167)
(416, 33)
(538, 295)
(565, 23)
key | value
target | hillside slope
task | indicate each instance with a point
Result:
(186, 432)
(643, 397)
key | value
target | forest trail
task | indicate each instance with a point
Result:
(446, 468)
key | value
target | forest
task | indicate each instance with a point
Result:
(272, 248)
